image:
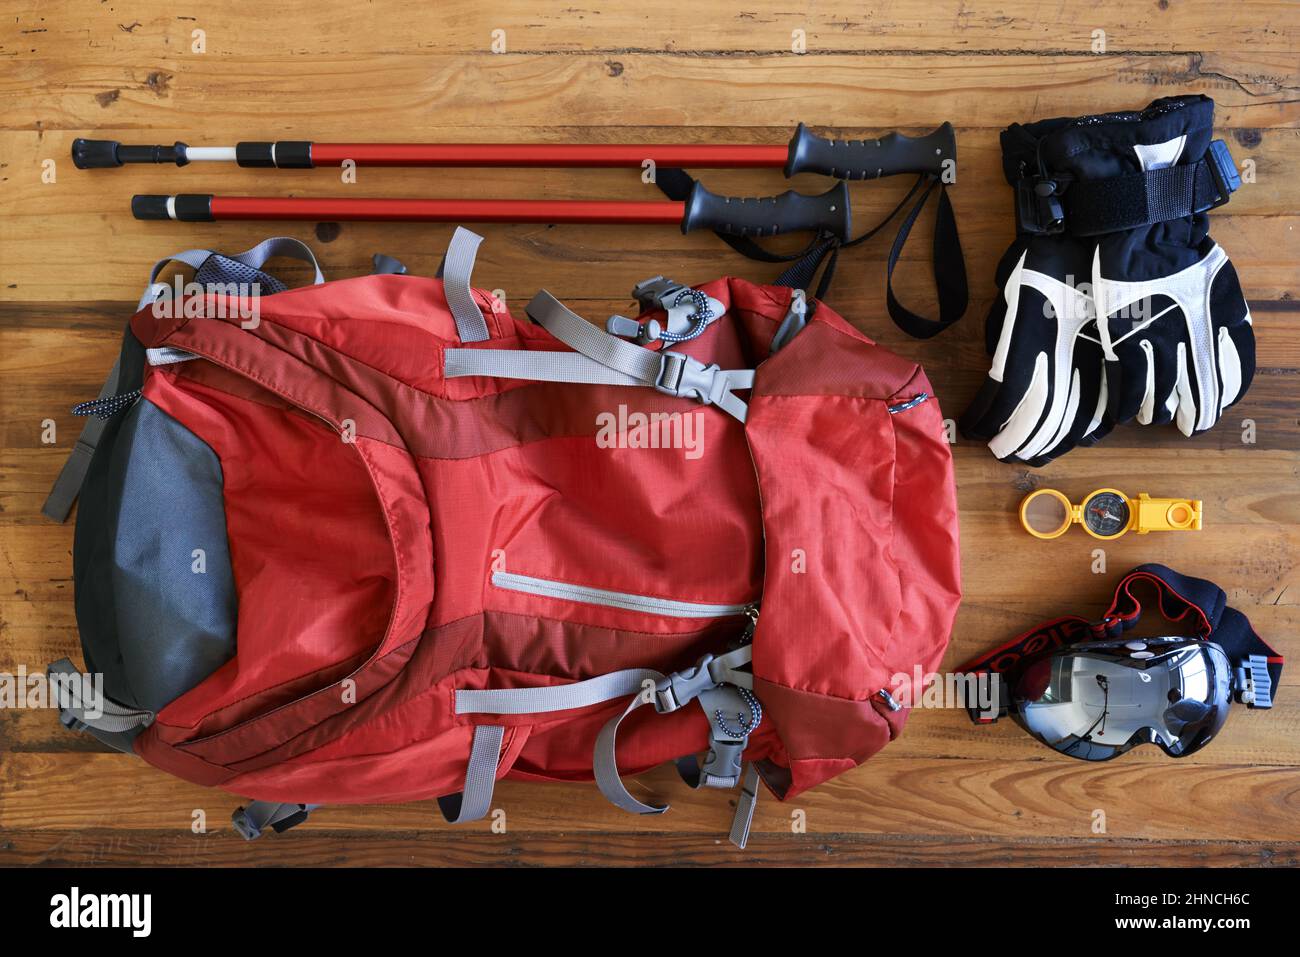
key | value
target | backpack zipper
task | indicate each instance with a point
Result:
(627, 601)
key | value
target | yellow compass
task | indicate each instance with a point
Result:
(1107, 513)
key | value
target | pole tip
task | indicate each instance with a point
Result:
(150, 207)
(95, 154)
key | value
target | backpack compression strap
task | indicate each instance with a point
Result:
(604, 359)
(724, 693)
(455, 271)
(84, 707)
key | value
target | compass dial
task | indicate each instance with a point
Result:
(1106, 514)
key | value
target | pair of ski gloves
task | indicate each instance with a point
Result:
(1116, 305)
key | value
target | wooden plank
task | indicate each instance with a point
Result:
(676, 26)
(301, 847)
(1000, 797)
(416, 93)
(519, 260)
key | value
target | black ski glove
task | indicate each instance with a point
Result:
(1117, 304)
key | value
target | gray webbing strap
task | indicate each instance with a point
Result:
(605, 766)
(712, 680)
(457, 267)
(190, 257)
(111, 716)
(704, 681)
(603, 359)
(167, 356)
(644, 365)
(255, 816)
(534, 365)
(281, 246)
(578, 694)
(58, 504)
(115, 724)
(480, 777)
(740, 824)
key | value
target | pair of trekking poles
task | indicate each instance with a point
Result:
(699, 209)
(736, 220)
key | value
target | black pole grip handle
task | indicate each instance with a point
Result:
(102, 154)
(790, 212)
(870, 159)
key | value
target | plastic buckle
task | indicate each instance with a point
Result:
(682, 687)
(72, 722)
(1254, 687)
(292, 820)
(650, 293)
(1224, 172)
(722, 766)
(689, 378)
(243, 826)
(1039, 210)
(671, 369)
(623, 327)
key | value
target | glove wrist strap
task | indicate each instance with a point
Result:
(1047, 205)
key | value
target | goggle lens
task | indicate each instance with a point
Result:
(1097, 700)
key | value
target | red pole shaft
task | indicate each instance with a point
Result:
(324, 209)
(548, 155)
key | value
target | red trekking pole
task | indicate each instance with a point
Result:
(734, 216)
(806, 152)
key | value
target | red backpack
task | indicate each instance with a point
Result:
(380, 540)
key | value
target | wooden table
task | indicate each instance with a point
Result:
(72, 262)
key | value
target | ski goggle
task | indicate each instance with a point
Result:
(1087, 691)
(1096, 700)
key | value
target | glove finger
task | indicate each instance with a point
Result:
(1131, 382)
(1185, 410)
(1235, 337)
(981, 419)
(1236, 363)
(1015, 355)
(1096, 395)
(1160, 404)
(1020, 425)
(1077, 394)
(1086, 420)
(1050, 437)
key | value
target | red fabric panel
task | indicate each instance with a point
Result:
(879, 596)
(644, 521)
(926, 543)
(839, 594)
(310, 554)
(401, 529)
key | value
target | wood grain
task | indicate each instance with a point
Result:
(946, 794)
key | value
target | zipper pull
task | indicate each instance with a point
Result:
(888, 698)
(751, 623)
